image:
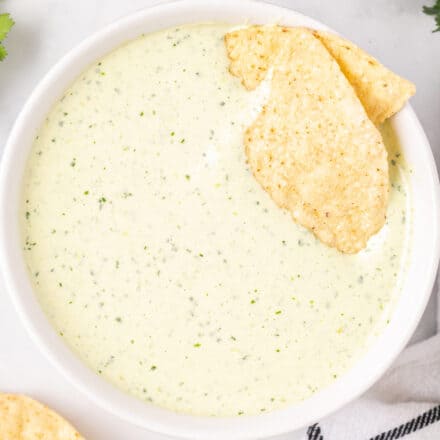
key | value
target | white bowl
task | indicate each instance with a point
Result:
(417, 287)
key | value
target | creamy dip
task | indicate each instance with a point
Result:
(164, 265)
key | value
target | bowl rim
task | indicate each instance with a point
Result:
(350, 386)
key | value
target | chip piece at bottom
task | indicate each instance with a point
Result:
(22, 418)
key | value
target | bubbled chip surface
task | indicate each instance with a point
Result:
(313, 147)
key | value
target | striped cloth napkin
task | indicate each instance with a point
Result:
(405, 403)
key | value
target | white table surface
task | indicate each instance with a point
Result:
(395, 31)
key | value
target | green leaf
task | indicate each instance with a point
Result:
(3, 53)
(435, 11)
(6, 22)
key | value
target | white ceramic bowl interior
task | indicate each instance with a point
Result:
(417, 287)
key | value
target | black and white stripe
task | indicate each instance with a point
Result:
(314, 432)
(420, 422)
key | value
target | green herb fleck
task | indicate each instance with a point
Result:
(101, 201)
(197, 345)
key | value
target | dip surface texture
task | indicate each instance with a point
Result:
(161, 261)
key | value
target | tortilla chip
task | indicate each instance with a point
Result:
(313, 147)
(261, 44)
(382, 92)
(22, 418)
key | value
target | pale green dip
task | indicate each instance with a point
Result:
(163, 264)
